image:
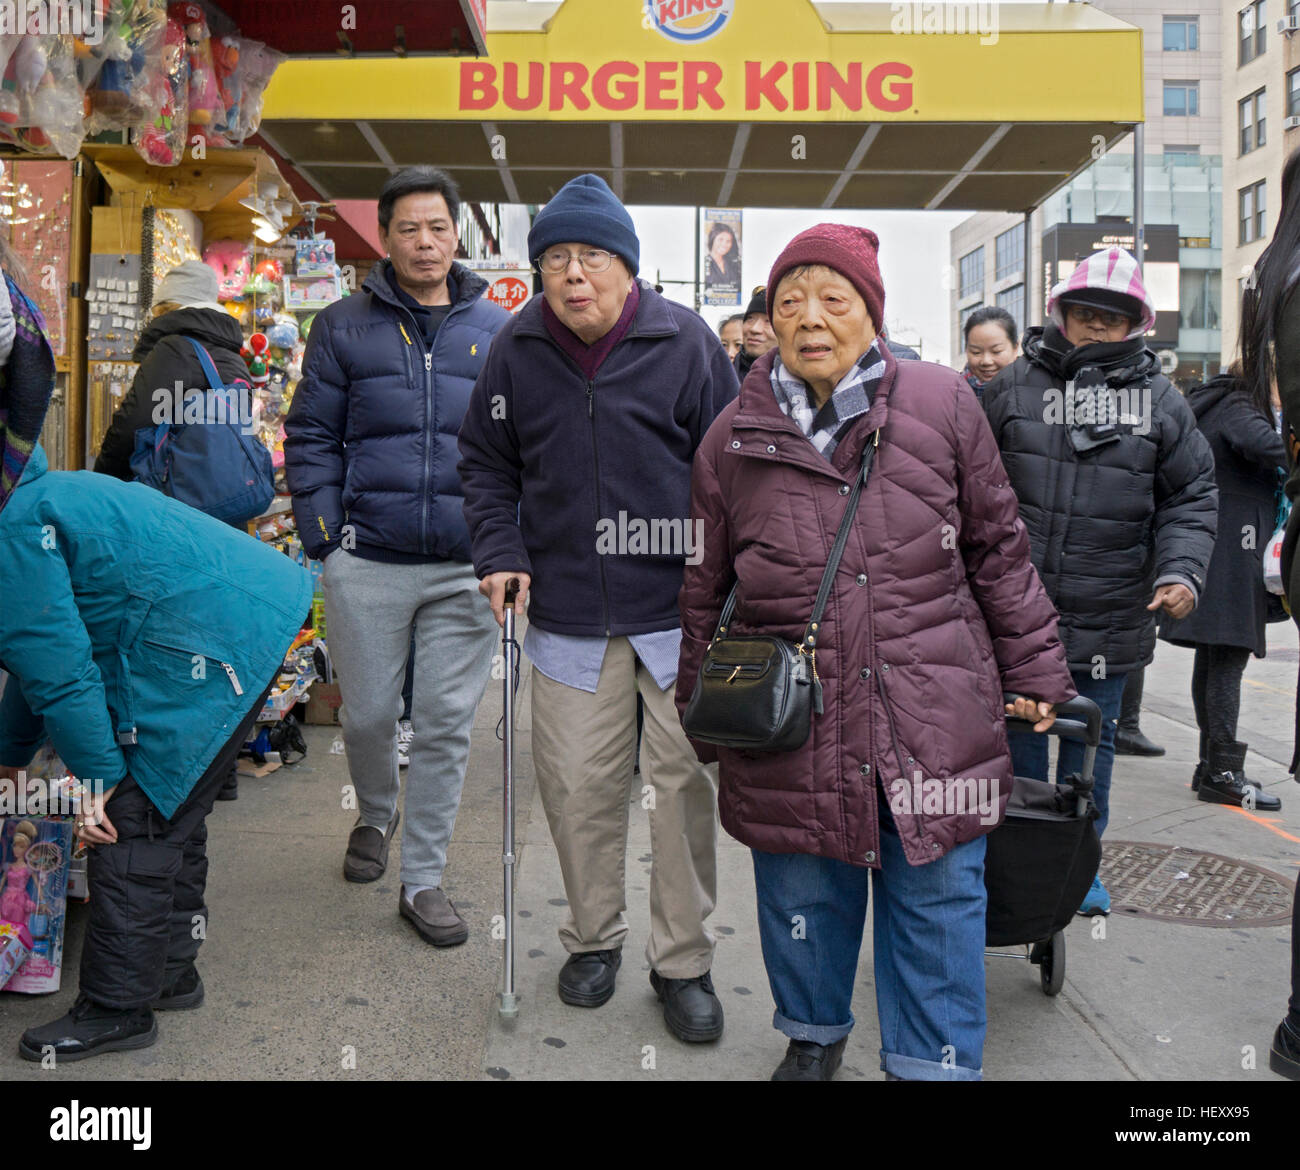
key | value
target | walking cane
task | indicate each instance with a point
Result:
(509, 1007)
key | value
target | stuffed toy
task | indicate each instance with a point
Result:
(233, 263)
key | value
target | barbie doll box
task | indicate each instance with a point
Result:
(34, 857)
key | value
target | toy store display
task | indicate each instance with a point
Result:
(153, 68)
(35, 853)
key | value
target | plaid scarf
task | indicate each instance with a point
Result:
(851, 398)
(26, 386)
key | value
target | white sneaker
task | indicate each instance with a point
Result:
(404, 736)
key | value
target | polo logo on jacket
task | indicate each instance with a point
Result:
(473, 350)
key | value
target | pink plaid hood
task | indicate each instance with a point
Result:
(1113, 269)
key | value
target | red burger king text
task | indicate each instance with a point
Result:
(678, 86)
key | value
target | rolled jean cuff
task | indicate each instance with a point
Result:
(912, 1068)
(823, 1034)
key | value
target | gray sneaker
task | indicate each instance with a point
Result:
(433, 915)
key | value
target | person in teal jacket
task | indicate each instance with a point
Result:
(140, 637)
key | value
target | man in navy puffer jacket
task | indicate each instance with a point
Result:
(370, 454)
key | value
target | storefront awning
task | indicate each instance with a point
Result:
(310, 28)
(757, 103)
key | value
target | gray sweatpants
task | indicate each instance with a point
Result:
(370, 610)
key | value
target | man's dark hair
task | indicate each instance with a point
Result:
(418, 181)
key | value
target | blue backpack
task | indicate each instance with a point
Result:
(209, 464)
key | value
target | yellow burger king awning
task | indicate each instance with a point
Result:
(777, 103)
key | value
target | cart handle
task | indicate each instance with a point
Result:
(1078, 718)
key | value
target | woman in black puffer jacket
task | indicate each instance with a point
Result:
(1228, 624)
(185, 305)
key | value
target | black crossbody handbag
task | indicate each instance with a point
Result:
(759, 693)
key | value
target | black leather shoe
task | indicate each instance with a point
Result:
(185, 993)
(1284, 1056)
(691, 1009)
(88, 1030)
(1202, 769)
(1232, 787)
(806, 1061)
(1134, 743)
(587, 979)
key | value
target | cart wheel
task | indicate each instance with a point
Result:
(1052, 968)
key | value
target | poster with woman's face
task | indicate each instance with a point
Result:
(720, 252)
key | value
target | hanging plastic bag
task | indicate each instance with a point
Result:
(1273, 550)
(160, 136)
(133, 60)
(257, 64)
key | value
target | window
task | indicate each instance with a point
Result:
(1182, 156)
(1250, 32)
(1293, 93)
(1182, 98)
(1250, 116)
(1013, 300)
(1250, 213)
(971, 268)
(966, 312)
(1009, 252)
(1181, 34)
(1198, 295)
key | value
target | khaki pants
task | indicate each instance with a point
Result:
(583, 746)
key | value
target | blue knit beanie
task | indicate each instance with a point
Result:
(586, 211)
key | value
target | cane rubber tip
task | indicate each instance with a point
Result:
(509, 1006)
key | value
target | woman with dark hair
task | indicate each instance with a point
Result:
(724, 256)
(1236, 417)
(1270, 349)
(990, 335)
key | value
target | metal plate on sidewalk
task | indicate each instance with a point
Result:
(1176, 884)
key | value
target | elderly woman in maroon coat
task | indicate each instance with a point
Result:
(935, 611)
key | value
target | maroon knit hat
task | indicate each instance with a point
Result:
(851, 251)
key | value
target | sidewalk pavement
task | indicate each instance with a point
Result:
(311, 977)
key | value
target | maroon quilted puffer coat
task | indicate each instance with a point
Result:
(935, 598)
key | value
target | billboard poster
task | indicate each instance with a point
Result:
(720, 256)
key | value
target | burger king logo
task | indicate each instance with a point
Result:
(689, 20)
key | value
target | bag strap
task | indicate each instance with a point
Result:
(809, 642)
(209, 366)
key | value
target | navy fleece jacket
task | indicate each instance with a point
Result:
(549, 461)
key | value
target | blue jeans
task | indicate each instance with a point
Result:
(1029, 750)
(928, 931)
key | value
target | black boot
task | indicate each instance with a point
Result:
(691, 1009)
(1129, 740)
(1226, 783)
(587, 978)
(185, 993)
(1284, 1056)
(1202, 770)
(89, 1029)
(806, 1061)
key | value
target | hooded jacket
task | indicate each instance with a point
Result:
(137, 632)
(1111, 512)
(166, 358)
(934, 611)
(370, 440)
(1249, 459)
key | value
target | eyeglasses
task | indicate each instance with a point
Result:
(557, 260)
(1085, 315)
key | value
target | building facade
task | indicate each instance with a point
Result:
(1183, 184)
(1261, 126)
